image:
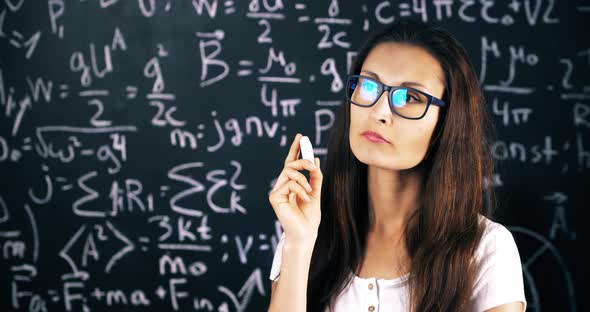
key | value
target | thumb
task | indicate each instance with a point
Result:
(315, 178)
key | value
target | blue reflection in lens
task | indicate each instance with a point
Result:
(399, 97)
(368, 90)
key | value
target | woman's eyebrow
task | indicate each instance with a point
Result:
(405, 83)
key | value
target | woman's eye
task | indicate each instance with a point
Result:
(368, 86)
(415, 97)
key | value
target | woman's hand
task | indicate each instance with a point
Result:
(295, 201)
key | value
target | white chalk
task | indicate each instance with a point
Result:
(306, 149)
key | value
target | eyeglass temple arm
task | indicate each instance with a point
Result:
(438, 102)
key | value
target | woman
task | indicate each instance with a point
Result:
(399, 223)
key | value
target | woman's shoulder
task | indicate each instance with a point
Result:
(497, 253)
(496, 238)
(489, 223)
(500, 276)
(494, 232)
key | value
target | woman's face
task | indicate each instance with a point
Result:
(393, 64)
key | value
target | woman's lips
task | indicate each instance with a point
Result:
(373, 138)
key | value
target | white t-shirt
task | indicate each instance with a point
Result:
(499, 281)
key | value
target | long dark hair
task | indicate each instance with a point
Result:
(443, 233)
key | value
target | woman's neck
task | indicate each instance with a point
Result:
(393, 196)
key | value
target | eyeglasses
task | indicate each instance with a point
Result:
(406, 102)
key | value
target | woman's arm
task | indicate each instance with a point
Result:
(289, 291)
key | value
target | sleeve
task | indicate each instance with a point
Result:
(276, 261)
(500, 277)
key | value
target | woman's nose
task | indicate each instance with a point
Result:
(381, 110)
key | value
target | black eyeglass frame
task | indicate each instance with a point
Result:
(431, 99)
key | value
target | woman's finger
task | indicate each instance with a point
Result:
(284, 192)
(299, 177)
(301, 164)
(290, 173)
(281, 179)
(315, 173)
(294, 150)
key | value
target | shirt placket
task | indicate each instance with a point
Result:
(372, 300)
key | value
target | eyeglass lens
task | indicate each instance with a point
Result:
(405, 101)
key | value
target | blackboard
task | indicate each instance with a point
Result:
(139, 140)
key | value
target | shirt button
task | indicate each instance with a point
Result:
(370, 285)
(371, 308)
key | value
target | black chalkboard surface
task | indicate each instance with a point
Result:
(139, 140)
